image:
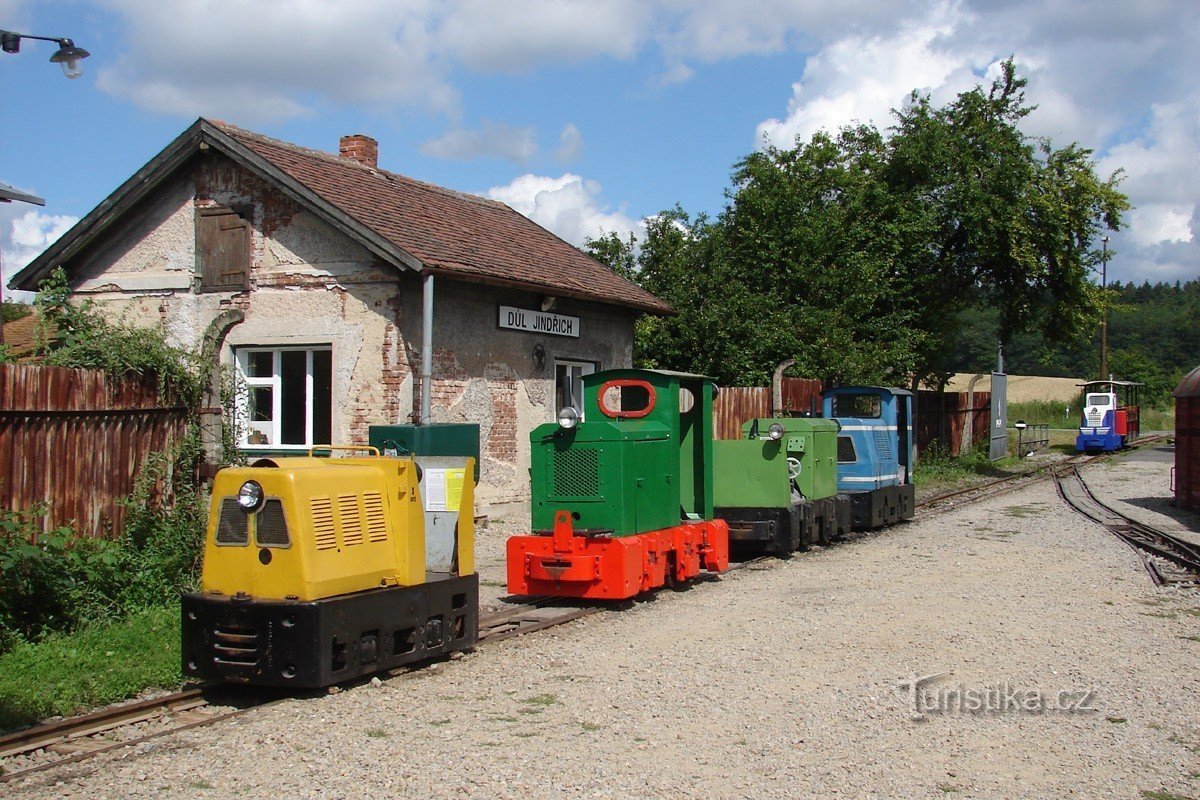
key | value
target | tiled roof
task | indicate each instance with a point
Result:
(464, 236)
(21, 335)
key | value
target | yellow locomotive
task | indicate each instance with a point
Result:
(319, 570)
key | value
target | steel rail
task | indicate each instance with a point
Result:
(1149, 542)
(74, 740)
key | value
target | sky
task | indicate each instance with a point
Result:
(590, 115)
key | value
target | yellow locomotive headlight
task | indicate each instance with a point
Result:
(568, 418)
(250, 496)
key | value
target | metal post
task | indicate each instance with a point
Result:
(427, 348)
(1104, 308)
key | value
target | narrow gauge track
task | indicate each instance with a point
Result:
(1168, 559)
(71, 740)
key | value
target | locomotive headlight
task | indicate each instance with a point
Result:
(775, 431)
(250, 496)
(568, 418)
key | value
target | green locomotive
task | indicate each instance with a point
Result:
(777, 485)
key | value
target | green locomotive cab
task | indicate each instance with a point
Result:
(621, 491)
(634, 460)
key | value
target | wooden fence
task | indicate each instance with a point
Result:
(736, 404)
(75, 440)
(941, 416)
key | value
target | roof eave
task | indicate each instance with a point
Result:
(160, 168)
(663, 310)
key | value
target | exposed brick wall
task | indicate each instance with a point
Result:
(447, 384)
(395, 363)
(502, 438)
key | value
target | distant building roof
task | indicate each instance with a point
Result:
(408, 223)
(20, 336)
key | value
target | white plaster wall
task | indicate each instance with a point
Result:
(312, 285)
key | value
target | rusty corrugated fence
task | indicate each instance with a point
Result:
(736, 404)
(75, 439)
(941, 416)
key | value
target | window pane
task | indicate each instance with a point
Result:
(260, 364)
(322, 397)
(259, 408)
(293, 396)
(863, 406)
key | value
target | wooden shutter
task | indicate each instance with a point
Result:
(222, 249)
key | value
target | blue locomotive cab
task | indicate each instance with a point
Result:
(875, 452)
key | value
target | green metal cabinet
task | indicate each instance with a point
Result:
(438, 439)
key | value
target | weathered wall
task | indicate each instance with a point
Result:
(487, 375)
(312, 285)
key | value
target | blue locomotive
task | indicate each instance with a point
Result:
(875, 452)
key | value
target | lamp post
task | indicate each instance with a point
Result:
(67, 56)
(1103, 308)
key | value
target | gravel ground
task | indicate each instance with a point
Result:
(779, 680)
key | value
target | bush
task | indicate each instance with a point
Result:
(79, 336)
(58, 581)
(54, 580)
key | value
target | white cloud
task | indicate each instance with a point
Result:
(859, 79)
(570, 144)
(515, 37)
(572, 207)
(276, 59)
(1092, 77)
(24, 234)
(494, 140)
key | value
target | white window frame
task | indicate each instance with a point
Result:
(273, 428)
(586, 368)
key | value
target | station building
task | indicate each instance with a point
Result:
(329, 293)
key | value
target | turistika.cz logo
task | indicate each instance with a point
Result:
(928, 694)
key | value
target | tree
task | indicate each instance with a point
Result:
(859, 254)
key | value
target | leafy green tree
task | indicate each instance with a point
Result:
(861, 255)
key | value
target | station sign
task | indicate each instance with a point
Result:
(523, 319)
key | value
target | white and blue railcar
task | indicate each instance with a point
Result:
(1110, 418)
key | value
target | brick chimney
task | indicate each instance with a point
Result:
(362, 149)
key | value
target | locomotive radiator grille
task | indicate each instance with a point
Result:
(576, 472)
(271, 528)
(235, 646)
(376, 520)
(324, 531)
(232, 527)
(352, 532)
(883, 444)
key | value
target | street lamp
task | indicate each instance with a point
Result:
(67, 56)
(1104, 308)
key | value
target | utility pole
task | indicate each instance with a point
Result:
(1104, 308)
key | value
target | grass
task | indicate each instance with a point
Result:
(1056, 415)
(97, 665)
(935, 468)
